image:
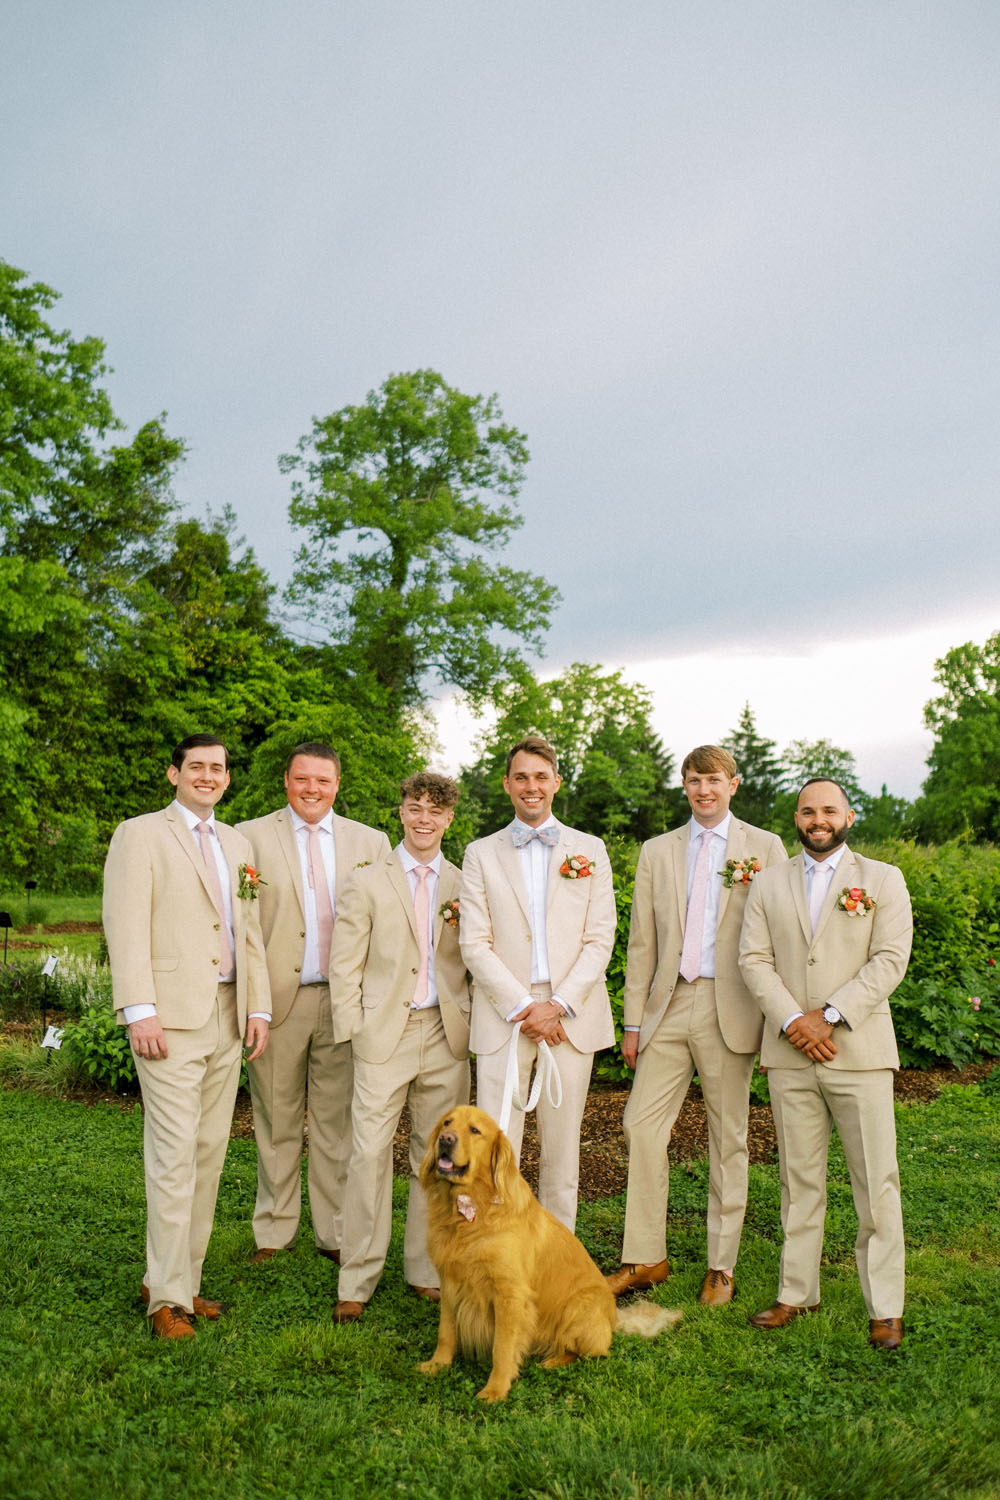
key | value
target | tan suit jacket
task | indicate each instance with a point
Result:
(374, 962)
(495, 937)
(163, 931)
(282, 901)
(851, 962)
(656, 934)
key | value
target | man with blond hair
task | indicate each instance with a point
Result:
(688, 1010)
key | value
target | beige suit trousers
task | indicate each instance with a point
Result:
(188, 1099)
(558, 1129)
(302, 1058)
(805, 1102)
(687, 1040)
(424, 1073)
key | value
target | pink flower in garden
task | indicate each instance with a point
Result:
(975, 1001)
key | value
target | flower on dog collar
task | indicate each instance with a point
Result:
(855, 900)
(449, 911)
(250, 882)
(576, 867)
(465, 1206)
(739, 871)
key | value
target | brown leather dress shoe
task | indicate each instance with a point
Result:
(348, 1312)
(261, 1257)
(717, 1289)
(333, 1255)
(632, 1278)
(780, 1315)
(428, 1293)
(885, 1333)
(171, 1323)
(204, 1307)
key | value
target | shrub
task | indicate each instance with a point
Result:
(100, 1047)
(76, 984)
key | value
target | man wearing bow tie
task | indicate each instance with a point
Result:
(537, 929)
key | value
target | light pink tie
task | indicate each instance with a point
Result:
(819, 884)
(319, 884)
(421, 916)
(227, 960)
(694, 924)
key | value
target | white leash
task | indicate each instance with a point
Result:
(546, 1077)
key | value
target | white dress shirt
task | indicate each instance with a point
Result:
(535, 858)
(719, 836)
(311, 970)
(409, 864)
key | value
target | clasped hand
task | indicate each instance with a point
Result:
(813, 1036)
(542, 1022)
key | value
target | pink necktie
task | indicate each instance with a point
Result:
(421, 916)
(324, 908)
(694, 925)
(227, 961)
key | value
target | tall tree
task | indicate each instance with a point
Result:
(761, 775)
(962, 789)
(616, 774)
(397, 498)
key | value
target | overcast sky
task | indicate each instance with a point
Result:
(733, 267)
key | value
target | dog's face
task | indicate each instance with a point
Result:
(468, 1148)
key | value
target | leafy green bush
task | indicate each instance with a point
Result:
(76, 984)
(98, 1045)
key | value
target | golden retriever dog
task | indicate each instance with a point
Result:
(514, 1281)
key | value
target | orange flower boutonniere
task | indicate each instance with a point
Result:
(576, 867)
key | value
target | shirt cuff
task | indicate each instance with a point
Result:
(137, 1013)
(558, 1000)
(792, 1018)
(631, 1028)
(259, 1015)
(520, 1009)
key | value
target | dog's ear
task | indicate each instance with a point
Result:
(503, 1165)
(428, 1173)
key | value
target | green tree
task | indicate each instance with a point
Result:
(761, 775)
(962, 789)
(81, 520)
(805, 760)
(616, 775)
(397, 498)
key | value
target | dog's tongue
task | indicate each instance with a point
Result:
(445, 1163)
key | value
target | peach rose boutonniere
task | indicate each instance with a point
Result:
(449, 911)
(739, 871)
(576, 867)
(855, 900)
(250, 882)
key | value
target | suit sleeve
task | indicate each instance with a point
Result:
(757, 963)
(776, 854)
(348, 955)
(596, 940)
(475, 934)
(643, 951)
(127, 915)
(888, 952)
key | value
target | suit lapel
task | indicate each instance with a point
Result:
(843, 875)
(288, 839)
(189, 843)
(679, 858)
(225, 834)
(735, 849)
(449, 885)
(797, 884)
(510, 863)
(400, 882)
(557, 854)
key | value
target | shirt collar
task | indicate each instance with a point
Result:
(298, 823)
(408, 862)
(829, 864)
(192, 819)
(696, 829)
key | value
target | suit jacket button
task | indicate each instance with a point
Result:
(297, 970)
(301, 934)
(812, 960)
(215, 960)
(414, 971)
(215, 926)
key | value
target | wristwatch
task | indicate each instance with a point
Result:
(832, 1016)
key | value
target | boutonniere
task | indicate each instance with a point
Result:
(361, 864)
(855, 900)
(449, 911)
(576, 867)
(739, 871)
(250, 882)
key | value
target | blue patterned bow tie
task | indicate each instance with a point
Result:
(548, 836)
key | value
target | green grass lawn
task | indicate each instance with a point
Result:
(27, 939)
(277, 1401)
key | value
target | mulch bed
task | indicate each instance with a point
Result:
(603, 1155)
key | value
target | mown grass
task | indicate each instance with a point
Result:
(277, 1401)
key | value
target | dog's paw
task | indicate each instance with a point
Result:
(431, 1366)
(493, 1392)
